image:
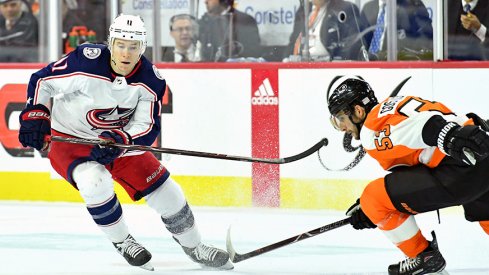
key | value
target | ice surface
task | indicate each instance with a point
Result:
(61, 238)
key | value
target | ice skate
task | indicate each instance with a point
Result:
(430, 261)
(208, 256)
(134, 253)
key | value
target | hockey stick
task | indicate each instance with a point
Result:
(293, 158)
(398, 88)
(236, 257)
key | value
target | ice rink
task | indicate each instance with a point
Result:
(61, 238)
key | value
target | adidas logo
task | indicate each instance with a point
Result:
(264, 95)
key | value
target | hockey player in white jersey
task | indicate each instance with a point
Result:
(112, 93)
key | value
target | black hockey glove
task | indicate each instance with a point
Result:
(469, 144)
(35, 126)
(358, 219)
(107, 154)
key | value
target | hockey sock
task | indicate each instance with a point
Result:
(169, 201)
(108, 216)
(182, 226)
(485, 226)
(400, 228)
(97, 190)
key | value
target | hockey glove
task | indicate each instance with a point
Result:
(469, 144)
(358, 219)
(35, 126)
(107, 154)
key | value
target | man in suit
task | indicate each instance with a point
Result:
(184, 30)
(467, 30)
(334, 31)
(227, 33)
(414, 29)
(19, 33)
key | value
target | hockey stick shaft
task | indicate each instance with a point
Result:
(236, 257)
(299, 156)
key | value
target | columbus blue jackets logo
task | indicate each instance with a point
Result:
(107, 119)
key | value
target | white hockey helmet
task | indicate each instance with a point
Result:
(128, 27)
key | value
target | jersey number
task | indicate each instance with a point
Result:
(416, 105)
(383, 141)
(412, 106)
(60, 64)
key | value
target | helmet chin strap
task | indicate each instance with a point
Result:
(112, 60)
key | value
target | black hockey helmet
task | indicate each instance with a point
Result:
(346, 91)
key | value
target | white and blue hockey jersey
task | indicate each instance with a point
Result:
(89, 98)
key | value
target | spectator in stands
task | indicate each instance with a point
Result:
(81, 17)
(18, 33)
(185, 31)
(467, 30)
(414, 30)
(227, 33)
(334, 32)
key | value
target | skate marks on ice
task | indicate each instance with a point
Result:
(60, 239)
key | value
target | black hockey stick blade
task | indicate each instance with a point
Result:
(236, 257)
(299, 156)
(398, 88)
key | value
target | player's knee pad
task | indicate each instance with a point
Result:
(96, 187)
(168, 199)
(376, 203)
(94, 182)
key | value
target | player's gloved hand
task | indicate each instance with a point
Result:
(35, 126)
(469, 144)
(107, 154)
(358, 219)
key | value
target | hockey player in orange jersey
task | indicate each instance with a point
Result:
(436, 158)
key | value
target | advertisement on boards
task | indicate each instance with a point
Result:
(266, 112)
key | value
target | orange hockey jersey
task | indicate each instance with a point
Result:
(392, 131)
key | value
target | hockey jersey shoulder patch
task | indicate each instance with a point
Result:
(91, 53)
(389, 106)
(157, 73)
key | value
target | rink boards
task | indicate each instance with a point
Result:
(256, 110)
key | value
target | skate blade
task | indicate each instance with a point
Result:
(226, 266)
(443, 272)
(147, 266)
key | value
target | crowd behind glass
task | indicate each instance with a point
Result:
(228, 30)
